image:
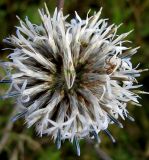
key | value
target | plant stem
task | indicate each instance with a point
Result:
(7, 131)
(101, 154)
(60, 4)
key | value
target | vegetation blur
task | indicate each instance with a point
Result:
(19, 143)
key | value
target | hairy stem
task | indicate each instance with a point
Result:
(60, 4)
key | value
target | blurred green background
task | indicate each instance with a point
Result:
(19, 143)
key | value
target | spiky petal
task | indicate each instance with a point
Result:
(73, 79)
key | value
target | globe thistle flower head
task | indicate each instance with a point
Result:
(71, 79)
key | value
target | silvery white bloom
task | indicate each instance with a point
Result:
(71, 80)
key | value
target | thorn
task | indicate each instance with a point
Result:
(9, 95)
(58, 139)
(115, 121)
(109, 135)
(130, 118)
(5, 81)
(76, 145)
(94, 133)
(19, 115)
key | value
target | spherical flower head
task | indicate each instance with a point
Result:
(71, 79)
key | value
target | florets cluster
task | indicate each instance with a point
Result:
(71, 80)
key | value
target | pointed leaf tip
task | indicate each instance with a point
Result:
(95, 134)
(76, 145)
(18, 116)
(115, 121)
(58, 139)
(107, 132)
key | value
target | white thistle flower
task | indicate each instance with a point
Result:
(71, 79)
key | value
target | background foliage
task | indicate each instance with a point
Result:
(19, 143)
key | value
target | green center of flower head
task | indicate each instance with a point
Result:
(59, 80)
